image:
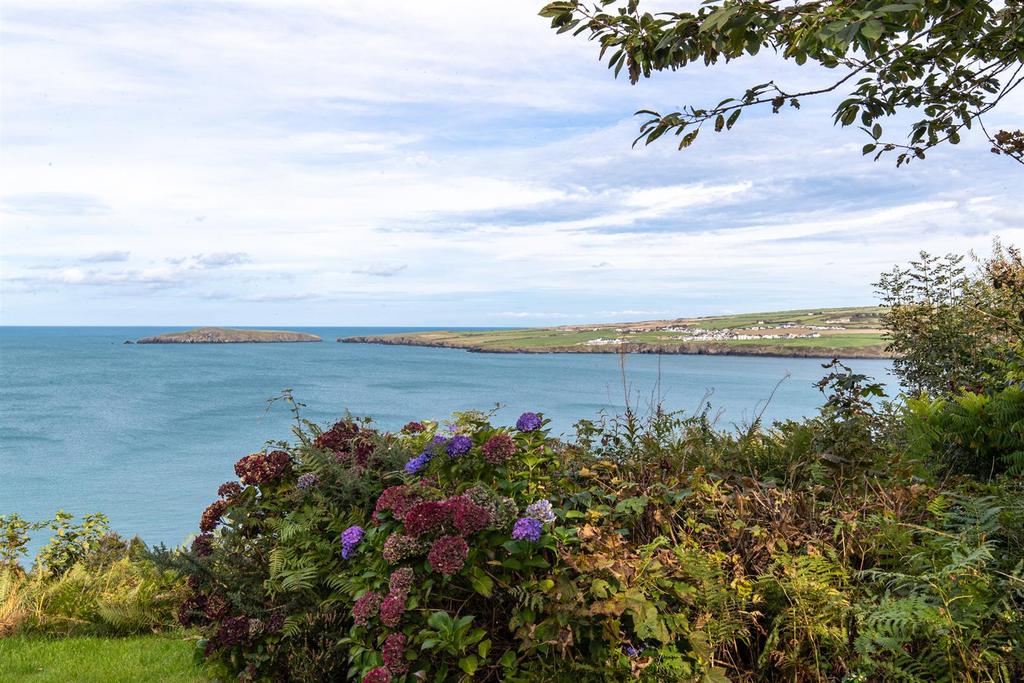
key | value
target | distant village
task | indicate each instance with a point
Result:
(751, 332)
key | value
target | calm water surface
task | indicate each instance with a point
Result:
(146, 433)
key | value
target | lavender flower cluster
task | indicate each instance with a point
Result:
(421, 460)
(350, 538)
(459, 445)
(527, 529)
(529, 422)
(306, 481)
(530, 527)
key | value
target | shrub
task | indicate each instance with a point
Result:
(980, 434)
(89, 581)
(656, 548)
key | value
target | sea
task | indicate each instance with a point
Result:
(146, 433)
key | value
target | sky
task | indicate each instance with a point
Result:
(336, 163)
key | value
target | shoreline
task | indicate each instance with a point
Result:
(683, 349)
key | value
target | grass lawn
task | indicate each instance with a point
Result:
(98, 660)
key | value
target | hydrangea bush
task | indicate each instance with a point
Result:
(474, 551)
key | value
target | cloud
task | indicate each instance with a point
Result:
(106, 257)
(221, 259)
(381, 271)
(459, 177)
(53, 204)
(93, 277)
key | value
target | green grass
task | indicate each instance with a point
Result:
(862, 316)
(834, 341)
(857, 332)
(33, 659)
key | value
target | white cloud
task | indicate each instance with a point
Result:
(445, 166)
(112, 256)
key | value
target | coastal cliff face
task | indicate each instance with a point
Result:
(683, 348)
(223, 335)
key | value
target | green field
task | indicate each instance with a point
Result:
(33, 659)
(853, 331)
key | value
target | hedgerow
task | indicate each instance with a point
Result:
(655, 549)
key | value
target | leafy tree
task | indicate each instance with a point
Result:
(950, 329)
(948, 61)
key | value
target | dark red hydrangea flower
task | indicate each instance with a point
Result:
(400, 547)
(378, 675)
(262, 468)
(202, 545)
(216, 607)
(393, 653)
(427, 516)
(212, 514)
(363, 449)
(232, 631)
(366, 607)
(401, 580)
(448, 554)
(275, 623)
(499, 448)
(192, 610)
(337, 438)
(229, 490)
(413, 428)
(395, 499)
(469, 517)
(391, 609)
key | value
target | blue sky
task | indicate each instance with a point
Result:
(455, 163)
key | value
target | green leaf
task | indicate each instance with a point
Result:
(868, 149)
(481, 582)
(872, 30)
(483, 648)
(469, 664)
(638, 504)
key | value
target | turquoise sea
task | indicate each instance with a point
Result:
(146, 433)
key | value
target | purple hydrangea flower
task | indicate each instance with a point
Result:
(459, 445)
(528, 422)
(417, 463)
(350, 538)
(632, 651)
(527, 529)
(541, 510)
(306, 481)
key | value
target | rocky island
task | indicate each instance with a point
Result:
(226, 335)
